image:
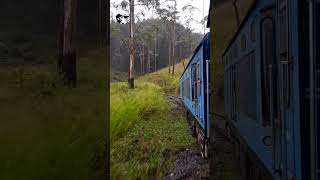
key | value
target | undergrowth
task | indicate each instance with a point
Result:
(48, 131)
(145, 131)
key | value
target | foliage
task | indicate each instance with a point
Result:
(51, 132)
(145, 132)
(119, 46)
(168, 82)
(127, 107)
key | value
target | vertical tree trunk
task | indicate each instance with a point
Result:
(174, 37)
(180, 52)
(236, 12)
(181, 58)
(60, 38)
(141, 59)
(100, 25)
(143, 62)
(190, 46)
(131, 65)
(169, 50)
(148, 57)
(67, 63)
(155, 53)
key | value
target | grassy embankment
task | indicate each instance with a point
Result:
(48, 131)
(145, 131)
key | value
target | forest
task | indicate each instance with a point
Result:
(51, 129)
(151, 38)
(159, 41)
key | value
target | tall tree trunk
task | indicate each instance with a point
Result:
(155, 53)
(60, 38)
(174, 37)
(67, 63)
(143, 62)
(100, 25)
(131, 65)
(236, 12)
(190, 46)
(141, 59)
(181, 58)
(148, 56)
(169, 58)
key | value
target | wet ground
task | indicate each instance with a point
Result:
(189, 164)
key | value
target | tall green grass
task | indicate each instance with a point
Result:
(145, 131)
(168, 82)
(48, 131)
(128, 106)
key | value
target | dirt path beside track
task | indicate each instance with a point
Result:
(188, 163)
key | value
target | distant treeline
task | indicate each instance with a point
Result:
(43, 16)
(149, 33)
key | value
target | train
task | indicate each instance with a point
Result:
(195, 92)
(271, 79)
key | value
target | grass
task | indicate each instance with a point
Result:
(48, 131)
(168, 82)
(145, 131)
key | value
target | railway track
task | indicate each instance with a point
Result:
(218, 127)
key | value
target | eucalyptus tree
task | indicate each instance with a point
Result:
(67, 51)
(234, 2)
(124, 3)
(170, 13)
(189, 21)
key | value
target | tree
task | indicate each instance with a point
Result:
(190, 20)
(147, 3)
(169, 14)
(131, 65)
(67, 57)
(236, 11)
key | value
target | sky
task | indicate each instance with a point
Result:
(201, 5)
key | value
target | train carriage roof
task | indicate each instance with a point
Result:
(205, 39)
(252, 7)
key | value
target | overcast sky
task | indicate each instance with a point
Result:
(202, 5)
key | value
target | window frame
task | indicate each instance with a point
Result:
(264, 61)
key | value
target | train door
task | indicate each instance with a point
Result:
(195, 90)
(198, 104)
(314, 81)
(283, 146)
(269, 82)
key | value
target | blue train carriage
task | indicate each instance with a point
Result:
(194, 91)
(271, 90)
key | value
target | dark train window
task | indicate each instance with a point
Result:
(231, 56)
(243, 43)
(198, 80)
(235, 51)
(194, 82)
(268, 72)
(245, 87)
(253, 31)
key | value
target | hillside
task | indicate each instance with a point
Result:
(146, 131)
(48, 131)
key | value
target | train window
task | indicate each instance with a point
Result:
(243, 42)
(268, 73)
(231, 56)
(194, 82)
(253, 31)
(235, 51)
(198, 80)
(245, 87)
